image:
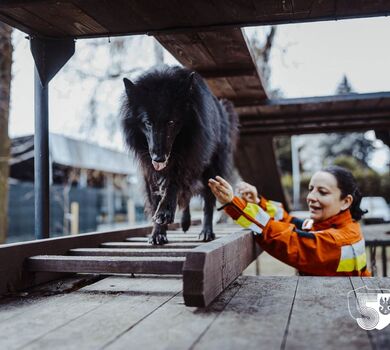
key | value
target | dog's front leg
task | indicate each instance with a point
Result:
(166, 209)
(208, 210)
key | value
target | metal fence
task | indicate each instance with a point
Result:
(93, 209)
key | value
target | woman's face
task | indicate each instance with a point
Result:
(324, 197)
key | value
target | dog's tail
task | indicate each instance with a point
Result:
(233, 120)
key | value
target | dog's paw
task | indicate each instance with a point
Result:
(185, 221)
(208, 235)
(164, 216)
(158, 239)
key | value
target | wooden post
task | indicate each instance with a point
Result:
(74, 221)
(131, 211)
(384, 261)
(110, 198)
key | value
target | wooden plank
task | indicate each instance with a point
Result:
(21, 15)
(320, 103)
(127, 252)
(12, 256)
(203, 278)
(177, 16)
(379, 233)
(222, 55)
(66, 16)
(139, 245)
(105, 264)
(257, 314)
(38, 318)
(144, 285)
(174, 325)
(86, 319)
(316, 114)
(320, 318)
(171, 239)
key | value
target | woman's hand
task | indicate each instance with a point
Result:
(248, 192)
(221, 190)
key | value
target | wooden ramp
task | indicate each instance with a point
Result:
(206, 268)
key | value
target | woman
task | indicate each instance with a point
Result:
(330, 243)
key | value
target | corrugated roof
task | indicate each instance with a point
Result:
(76, 153)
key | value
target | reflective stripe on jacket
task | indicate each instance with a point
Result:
(334, 247)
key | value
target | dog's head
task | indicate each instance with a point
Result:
(157, 108)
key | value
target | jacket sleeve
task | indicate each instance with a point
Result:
(274, 209)
(284, 241)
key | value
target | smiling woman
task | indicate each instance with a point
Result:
(330, 243)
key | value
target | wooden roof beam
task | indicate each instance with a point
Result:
(223, 58)
(97, 18)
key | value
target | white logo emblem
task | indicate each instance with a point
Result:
(370, 307)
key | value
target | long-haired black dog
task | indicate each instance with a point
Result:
(182, 135)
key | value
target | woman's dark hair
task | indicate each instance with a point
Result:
(347, 185)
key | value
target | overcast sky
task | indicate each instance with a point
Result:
(307, 60)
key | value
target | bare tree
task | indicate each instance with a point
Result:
(5, 88)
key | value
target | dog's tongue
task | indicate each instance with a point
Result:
(158, 165)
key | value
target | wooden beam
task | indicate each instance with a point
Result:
(183, 239)
(140, 245)
(106, 264)
(128, 252)
(256, 161)
(314, 129)
(210, 268)
(13, 277)
(97, 18)
(317, 114)
(223, 58)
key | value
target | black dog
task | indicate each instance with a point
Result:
(182, 136)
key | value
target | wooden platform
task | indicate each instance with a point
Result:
(120, 312)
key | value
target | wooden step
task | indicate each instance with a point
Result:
(170, 239)
(127, 252)
(106, 264)
(141, 245)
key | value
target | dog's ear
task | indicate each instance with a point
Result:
(190, 82)
(129, 87)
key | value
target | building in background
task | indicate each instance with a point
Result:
(90, 186)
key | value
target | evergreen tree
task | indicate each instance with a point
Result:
(354, 144)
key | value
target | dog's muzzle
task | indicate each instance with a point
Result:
(159, 165)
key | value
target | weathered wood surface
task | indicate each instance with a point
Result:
(148, 313)
(140, 245)
(127, 252)
(176, 239)
(316, 114)
(210, 268)
(91, 18)
(223, 58)
(106, 264)
(12, 256)
(376, 235)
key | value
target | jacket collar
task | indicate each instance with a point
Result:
(341, 219)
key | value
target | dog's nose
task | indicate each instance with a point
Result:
(159, 159)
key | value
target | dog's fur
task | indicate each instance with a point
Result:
(182, 135)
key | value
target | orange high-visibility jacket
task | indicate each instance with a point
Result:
(333, 247)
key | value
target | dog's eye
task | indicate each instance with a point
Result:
(171, 122)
